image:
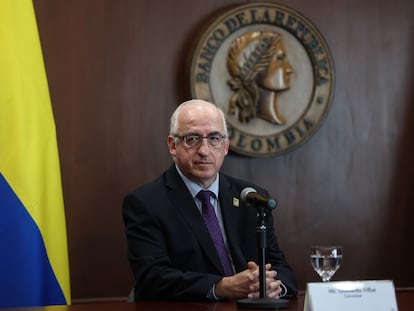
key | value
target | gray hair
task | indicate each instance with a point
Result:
(176, 114)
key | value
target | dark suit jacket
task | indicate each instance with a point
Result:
(169, 247)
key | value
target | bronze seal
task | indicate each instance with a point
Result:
(270, 70)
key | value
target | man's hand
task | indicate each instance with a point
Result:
(246, 284)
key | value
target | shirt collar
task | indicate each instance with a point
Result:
(195, 188)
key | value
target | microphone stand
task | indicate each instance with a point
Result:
(262, 302)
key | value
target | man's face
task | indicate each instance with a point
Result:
(199, 164)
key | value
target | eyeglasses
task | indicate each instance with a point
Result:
(195, 140)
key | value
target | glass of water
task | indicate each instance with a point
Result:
(326, 260)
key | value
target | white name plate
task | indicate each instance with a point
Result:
(351, 295)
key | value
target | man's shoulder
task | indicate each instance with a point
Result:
(238, 184)
(233, 181)
(167, 180)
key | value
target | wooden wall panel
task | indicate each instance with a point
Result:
(116, 72)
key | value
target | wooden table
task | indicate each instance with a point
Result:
(405, 300)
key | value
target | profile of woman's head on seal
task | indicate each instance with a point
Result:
(259, 69)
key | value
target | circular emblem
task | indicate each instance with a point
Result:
(270, 70)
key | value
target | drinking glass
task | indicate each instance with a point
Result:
(326, 260)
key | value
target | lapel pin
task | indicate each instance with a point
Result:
(236, 202)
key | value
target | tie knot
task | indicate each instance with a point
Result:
(204, 196)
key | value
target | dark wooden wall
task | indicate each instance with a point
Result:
(116, 72)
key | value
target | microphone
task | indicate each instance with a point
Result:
(250, 195)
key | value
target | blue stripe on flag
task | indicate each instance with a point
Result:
(25, 270)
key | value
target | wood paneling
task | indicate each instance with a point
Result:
(116, 72)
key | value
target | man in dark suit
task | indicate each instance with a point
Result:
(172, 252)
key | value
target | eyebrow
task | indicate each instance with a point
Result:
(198, 134)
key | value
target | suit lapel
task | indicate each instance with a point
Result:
(182, 199)
(230, 205)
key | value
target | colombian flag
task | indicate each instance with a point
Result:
(34, 269)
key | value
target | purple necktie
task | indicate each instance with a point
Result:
(214, 228)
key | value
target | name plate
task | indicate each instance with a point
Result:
(351, 295)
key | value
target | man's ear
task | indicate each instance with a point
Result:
(171, 145)
(227, 146)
